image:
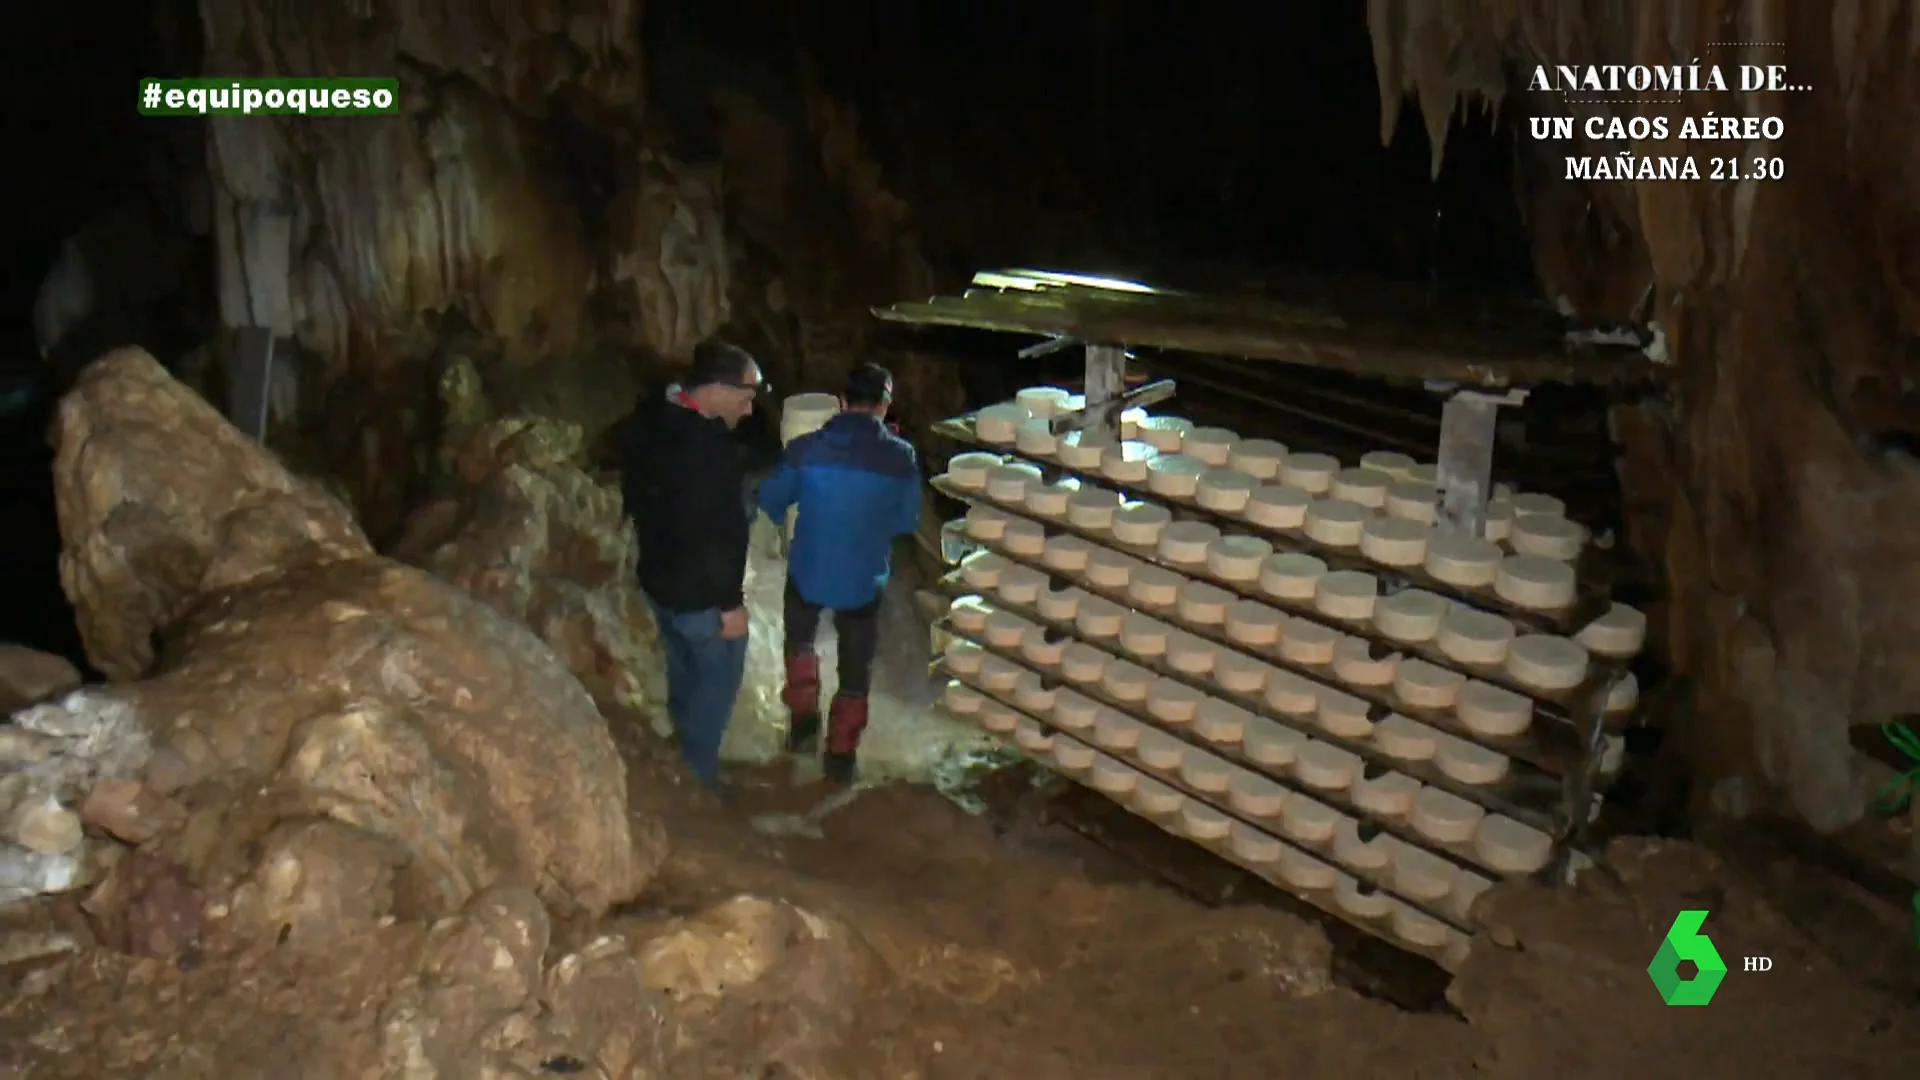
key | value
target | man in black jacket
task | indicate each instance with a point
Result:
(685, 489)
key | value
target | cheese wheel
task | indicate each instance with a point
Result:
(1467, 888)
(1173, 701)
(1213, 445)
(1185, 542)
(1238, 558)
(1203, 604)
(1080, 450)
(1414, 501)
(1359, 899)
(1155, 799)
(1035, 437)
(1405, 739)
(1126, 682)
(1312, 473)
(1466, 561)
(1025, 538)
(1291, 695)
(1050, 500)
(1391, 462)
(1258, 458)
(1254, 624)
(1074, 712)
(1443, 817)
(1066, 553)
(1143, 635)
(1277, 506)
(1273, 745)
(1292, 575)
(1410, 615)
(1116, 731)
(1059, 601)
(1368, 487)
(1005, 630)
(1619, 634)
(969, 613)
(1421, 685)
(1043, 400)
(1225, 491)
(1303, 871)
(1508, 847)
(1424, 472)
(1020, 585)
(1474, 637)
(1158, 750)
(1221, 722)
(1309, 643)
(1417, 928)
(963, 657)
(1126, 463)
(970, 470)
(1008, 483)
(1082, 663)
(1071, 757)
(1499, 519)
(1031, 737)
(1255, 795)
(1308, 820)
(1198, 821)
(1362, 846)
(1154, 587)
(1469, 763)
(1336, 522)
(1092, 508)
(985, 523)
(1111, 776)
(1098, 618)
(996, 675)
(1205, 773)
(1533, 504)
(1343, 715)
(1175, 475)
(1254, 847)
(1238, 673)
(1346, 594)
(1552, 537)
(1140, 523)
(1359, 662)
(1392, 541)
(1190, 655)
(1326, 766)
(997, 718)
(1492, 711)
(1046, 648)
(1163, 433)
(1110, 569)
(1546, 662)
(961, 699)
(1420, 875)
(1623, 695)
(998, 424)
(1535, 582)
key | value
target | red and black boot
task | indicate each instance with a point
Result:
(846, 720)
(801, 696)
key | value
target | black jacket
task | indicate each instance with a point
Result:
(684, 486)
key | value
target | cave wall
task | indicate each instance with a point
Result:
(1775, 485)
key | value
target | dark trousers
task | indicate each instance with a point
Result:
(704, 671)
(858, 631)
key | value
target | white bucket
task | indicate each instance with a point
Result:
(803, 414)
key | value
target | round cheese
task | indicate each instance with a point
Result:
(1225, 491)
(1443, 817)
(1623, 695)
(1255, 795)
(1204, 772)
(1000, 424)
(1385, 792)
(1023, 537)
(1253, 846)
(1154, 587)
(1499, 519)
(1185, 542)
(1190, 655)
(1553, 537)
(1346, 594)
(1163, 433)
(1082, 663)
(1468, 562)
(1175, 475)
(1213, 445)
(1066, 553)
(1203, 604)
(1116, 731)
(1404, 739)
(1237, 558)
(1237, 673)
(1258, 458)
(1021, 585)
(1079, 450)
(1074, 712)
(1417, 928)
(1469, 763)
(1309, 643)
(1221, 722)
(1291, 695)
(1126, 463)
(1059, 603)
(1534, 504)
(963, 657)
(961, 699)
(1414, 501)
(1110, 570)
(1411, 615)
(1359, 662)
(1092, 508)
(1159, 750)
(1336, 522)
(1308, 820)
(997, 718)
(1273, 745)
(1492, 711)
(1421, 875)
(1303, 871)
(1051, 500)
(997, 675)
(1071, 757)
(1367, 487)
(1474, 637)
(1008, 483)
(1155, 799)
(1343, 715)
(1506, 846)
(1535, 582)
(1173, 701)
(1425, 472)
(1619, 634)
(1254, 624)
(1467, 888)
(1359, 899)
(1325, 766)
(969, 613)
(1420, 685)
(1098, 618)
(1043, 400)
(1292, 575)
(1391, 462)
(1201, 822)
(1277, 506)
(1031, 737)
(1005, 630)
(1143, 635)
(985, 523)
(1141, 523)
(1362, 846)
(1126, 682)
(1112, 776)
(1546, 662)
(1312, 473)
(1046, 647)
(1035, 438)
(969, 471)
(1396, 542)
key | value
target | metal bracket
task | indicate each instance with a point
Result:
(1468, 429)
(1052, 345)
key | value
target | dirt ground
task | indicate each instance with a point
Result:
(1021, 953)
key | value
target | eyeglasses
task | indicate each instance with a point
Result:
(753, 389)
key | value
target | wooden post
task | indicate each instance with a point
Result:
(1106, 385)
(1468, 429)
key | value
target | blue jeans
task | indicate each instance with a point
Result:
(703, 680)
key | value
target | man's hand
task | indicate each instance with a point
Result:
(733, 623)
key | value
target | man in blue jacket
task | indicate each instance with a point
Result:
(857, 485)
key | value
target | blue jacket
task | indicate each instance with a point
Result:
(858, 487)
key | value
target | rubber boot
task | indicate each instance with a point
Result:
(801, 696)
(846, 721)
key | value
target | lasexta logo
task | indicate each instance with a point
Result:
(1685, 942)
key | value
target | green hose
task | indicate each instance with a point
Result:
(1897, 795)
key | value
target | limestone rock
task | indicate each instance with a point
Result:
(28, 676)
(129, 810)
